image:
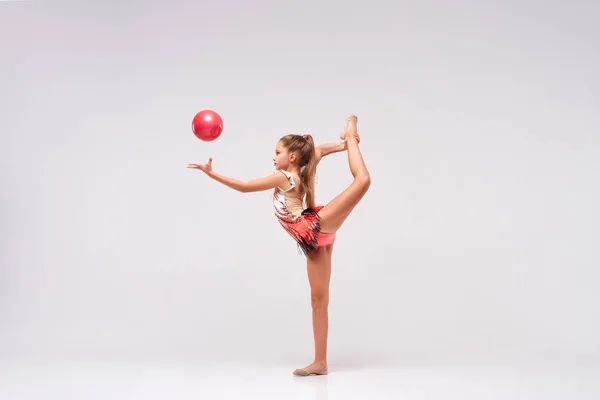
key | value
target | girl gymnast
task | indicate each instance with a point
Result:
(312, 226)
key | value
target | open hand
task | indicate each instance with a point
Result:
(206, 168)
(356, 136)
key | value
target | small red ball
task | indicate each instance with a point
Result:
(207, 125)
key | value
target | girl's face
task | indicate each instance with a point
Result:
(281, 160)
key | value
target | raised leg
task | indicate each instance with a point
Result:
(318, 266)
(337, 210)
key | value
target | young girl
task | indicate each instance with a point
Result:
(312, 226)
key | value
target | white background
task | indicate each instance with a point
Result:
(478, 240)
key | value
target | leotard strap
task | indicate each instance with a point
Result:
(290, 179)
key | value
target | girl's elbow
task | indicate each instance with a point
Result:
(246, 188)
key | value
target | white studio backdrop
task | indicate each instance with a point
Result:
(477, 241)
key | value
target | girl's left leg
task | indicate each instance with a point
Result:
(318, 266)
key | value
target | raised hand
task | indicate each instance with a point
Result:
(356, 135)
(206, 168)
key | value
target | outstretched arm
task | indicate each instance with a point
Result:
(325, 149)
(255, 185)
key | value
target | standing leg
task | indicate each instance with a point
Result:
(334, 214)
(318, 266)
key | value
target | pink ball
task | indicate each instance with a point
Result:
(207, 125)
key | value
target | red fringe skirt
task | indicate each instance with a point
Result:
(305, 229)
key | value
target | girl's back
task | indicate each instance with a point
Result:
(290, 202)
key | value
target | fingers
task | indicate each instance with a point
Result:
(201, 166)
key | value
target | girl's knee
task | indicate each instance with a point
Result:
(319, 300)
(364, 180)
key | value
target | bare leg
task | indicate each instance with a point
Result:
(337, 210)
(318, 267)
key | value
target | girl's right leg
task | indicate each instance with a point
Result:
(334, 214)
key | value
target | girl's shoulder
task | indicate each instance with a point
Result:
(292, 178)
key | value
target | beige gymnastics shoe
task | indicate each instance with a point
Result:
(304, 372)
(350, 128)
